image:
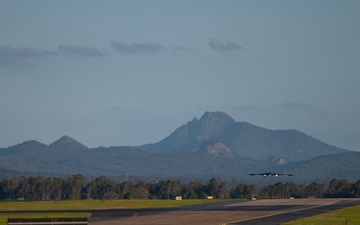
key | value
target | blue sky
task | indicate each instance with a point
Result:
(117, 73)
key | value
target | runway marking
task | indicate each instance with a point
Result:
(273, 214)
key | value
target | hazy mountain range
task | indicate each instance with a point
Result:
(214, 145)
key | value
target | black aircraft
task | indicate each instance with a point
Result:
(270, 174)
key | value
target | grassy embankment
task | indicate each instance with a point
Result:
(69, 205)
(96, 204)
(346, 216)
(5, 215)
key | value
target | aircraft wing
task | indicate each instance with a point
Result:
(271, 174)
(253, 174)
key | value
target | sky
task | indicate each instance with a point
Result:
(117, 73)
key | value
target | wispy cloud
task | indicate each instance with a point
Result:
(302, 108)
(146, 47)
(19, 56)
(245, 107)
(217, 44)
(80, 50)
(294, 105)
(18, 52)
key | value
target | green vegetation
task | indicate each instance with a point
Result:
(4, 216)
(33, 215)
(102, 188)
(346, 216)
(232, 148)
(96, 204)
(82, 205)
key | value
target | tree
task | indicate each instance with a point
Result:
(343, 189)
(356, 189)
(192, 195)
(198, 188)
(110, 195)
(223, 192)
(23, 188)
(314, 190)
(278, 190)
(265, 192)
(332, 188)
(34, 190)
(129, 195)
(126, 187)
(57, 188)
(293, 190)
(167, 189)
(252, 191)
(102, 188)
(7, 188)
(2, 190)
(73, 187)
(212, 187)
(141, 190)
(238, 191)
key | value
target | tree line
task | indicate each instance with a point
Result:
(76, 187)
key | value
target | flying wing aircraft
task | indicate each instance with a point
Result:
(271, 174)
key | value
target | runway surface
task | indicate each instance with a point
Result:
(244, 212)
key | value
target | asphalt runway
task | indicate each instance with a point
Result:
(244, 212)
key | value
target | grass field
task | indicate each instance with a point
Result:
(346, 216)
(95, 204)
(8, 209)
(4, 216)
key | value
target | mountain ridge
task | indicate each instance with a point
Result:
(196, 130)
(242, 139)
(215, 142)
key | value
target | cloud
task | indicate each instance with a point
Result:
(217, 44)
(19, 56)
(17, 52)
(301, 107)
(123, 109)
(245, 108)
(80, 50)
(294, 105)
(146, 47)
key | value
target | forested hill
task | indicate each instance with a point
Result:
(34, 158)
(66, 142)
(343, 165)
(215, 144)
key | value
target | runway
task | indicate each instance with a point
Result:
(244, 212)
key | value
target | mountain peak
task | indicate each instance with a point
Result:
(190, 136)
(218, 115)
(66, 142)
(222, 135)
(212, 124)
(32, 144)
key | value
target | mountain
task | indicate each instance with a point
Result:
(37, 158)
(189, 137)
(323, 168)
(66, 142)
(240, 139)
(214, 145)
(33, 156)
